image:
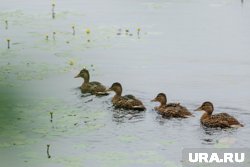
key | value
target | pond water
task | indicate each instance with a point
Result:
(193, 51)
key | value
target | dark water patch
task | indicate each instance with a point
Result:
(130, 116)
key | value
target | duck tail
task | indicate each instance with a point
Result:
(102, 93)
(140, 108)
(237, 126)
(188, 116)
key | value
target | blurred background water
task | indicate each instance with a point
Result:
(193, 51)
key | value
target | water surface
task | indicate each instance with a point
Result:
(193, 51)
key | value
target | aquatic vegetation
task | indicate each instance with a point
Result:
(53, 10)
(54, 35)
(167, 143)
(138, 32)
(55, 126)
(6, 24)
(72, 62)
(128, 138)
(73, 28)
(48, 154)
(87, 31)
(127, 31)
(8, 43)
(51, 116)
(225, 142)
(28, 71)
(32, 115)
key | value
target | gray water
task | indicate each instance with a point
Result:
(194, 51)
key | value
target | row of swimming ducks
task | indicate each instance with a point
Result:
(167, 110)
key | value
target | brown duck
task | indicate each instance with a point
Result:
(170, 110)
(128, 102)
(94, 88)
(221, 120)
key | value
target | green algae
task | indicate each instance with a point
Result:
(128, 138)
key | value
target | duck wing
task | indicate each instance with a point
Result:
(174, 110)
(215, 123)
(222, 120)
(129, 102)
(224, 117)
(128, 97)
(97, 88)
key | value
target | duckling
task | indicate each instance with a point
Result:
(221, 120)
(170, 110)
(128, 102)
(94, 88)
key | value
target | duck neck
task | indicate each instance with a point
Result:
(118, 91)
(206, 115)
(86, 79)
(163, 102)
(209, 113)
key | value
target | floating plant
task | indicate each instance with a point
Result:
(119, 31)
(87, 31)
(48, 155)
(71, 62)
(127, 31)
(51, 116)
(54, 36)
(47, 37)
(8, 43)
(138, 32)
(73, 28)
(6, 24)
(53, 10)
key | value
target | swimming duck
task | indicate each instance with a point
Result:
(128, 102)
(221, 120)
(170, 110)
(94, 88)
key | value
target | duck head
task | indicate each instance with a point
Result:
(116, 87)
(84, 73)
(161, 97)
(207, 107)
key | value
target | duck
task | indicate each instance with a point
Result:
(221, 120)
(94, 87)
(127, 102)
(170, 110)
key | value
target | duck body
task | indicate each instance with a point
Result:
(173, 110)
(94, 87)
(221, 120)
(127, 102)
(170, 110)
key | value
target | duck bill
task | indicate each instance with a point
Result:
(198, 109)
(109, 89)
(154, 100)
(77, 76)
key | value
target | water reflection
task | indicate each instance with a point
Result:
(216, 136)
(122, 116)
